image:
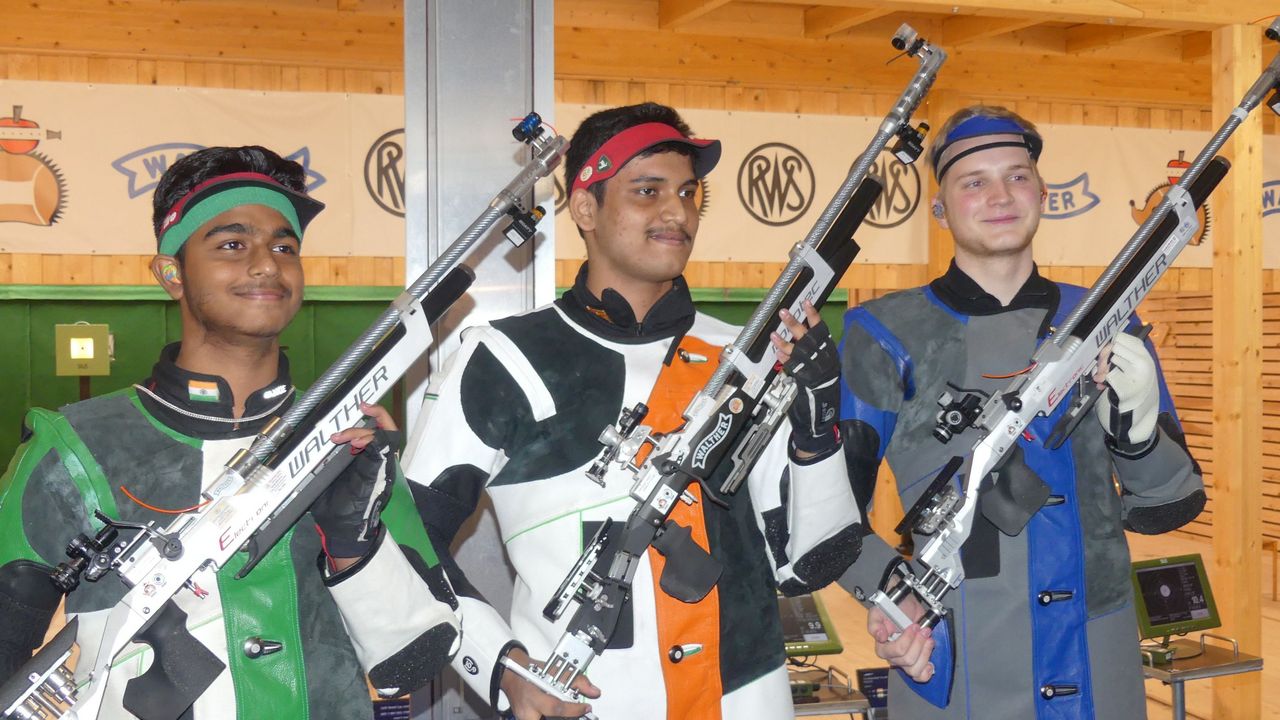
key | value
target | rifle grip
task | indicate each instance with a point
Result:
(180, 672)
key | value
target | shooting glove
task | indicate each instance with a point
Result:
(348, 511)
(815, 365)
(1128, 409)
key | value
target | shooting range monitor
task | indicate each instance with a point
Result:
(1173, 596)
(806, 627)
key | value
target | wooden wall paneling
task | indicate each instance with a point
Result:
(50, 269)
(713, 275)
(336, 80)
(170, 72)
(857, 277)
(1101, 115)
(113, 70)
(313, 79)
(1183, 336)
(26, 270)
(384, 272)
(21, 66)
(100, 267)
(62, 68)
(146, 72)
(259, 77)
(194, 74)
(315, 270)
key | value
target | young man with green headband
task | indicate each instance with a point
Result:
(298, 634)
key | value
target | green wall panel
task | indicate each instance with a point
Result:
(143, 320)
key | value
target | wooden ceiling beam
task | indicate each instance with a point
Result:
(206, 31)
(395, 7)
(621, 15)
(765, 21)
(962, 30)
(1083, 38)
(1177, 14)
(859, 65)
(1197, 46)
(673, 13)
(821, 22)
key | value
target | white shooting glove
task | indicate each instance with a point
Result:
(1128, 409)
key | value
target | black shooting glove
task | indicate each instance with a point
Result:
(815, 365)
(348, 511)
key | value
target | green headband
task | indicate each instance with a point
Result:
(214, 205)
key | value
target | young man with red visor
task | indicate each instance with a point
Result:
(517, 413)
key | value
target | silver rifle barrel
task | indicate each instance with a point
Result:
(1265, 83)
(546, 155)
(931, 58)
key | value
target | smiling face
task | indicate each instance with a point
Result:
(643, 231)
(241, 276)
(991, 199)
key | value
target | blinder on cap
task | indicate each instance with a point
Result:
(219, 194)
(619, 150)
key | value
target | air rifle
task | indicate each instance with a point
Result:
(1063, 362)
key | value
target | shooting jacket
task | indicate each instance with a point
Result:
(80, 459)
(1017, 655)
(516, 413)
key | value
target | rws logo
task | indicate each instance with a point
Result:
(902, 190)
(384, 172)
(776, 184)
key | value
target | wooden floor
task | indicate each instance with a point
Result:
(850, 620)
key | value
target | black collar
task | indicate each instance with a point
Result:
(612, 318)
(960, 293)
(210, 396)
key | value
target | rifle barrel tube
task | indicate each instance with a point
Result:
(1264, 84)
(931, 58)
(546, 156)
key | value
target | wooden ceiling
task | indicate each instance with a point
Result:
(1147, 52)
(1139, 51)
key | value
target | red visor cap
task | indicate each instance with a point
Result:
(621, 148)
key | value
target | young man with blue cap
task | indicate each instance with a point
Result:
(1043, 626)
(517, 415)
(296, 636)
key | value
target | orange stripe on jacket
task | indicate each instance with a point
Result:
(693, 684)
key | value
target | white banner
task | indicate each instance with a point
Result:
(78, 163)
(778, 171)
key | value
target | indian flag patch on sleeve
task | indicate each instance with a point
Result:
(202, 391)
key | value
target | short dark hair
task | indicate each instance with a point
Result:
(193, 169)
(598, 128)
